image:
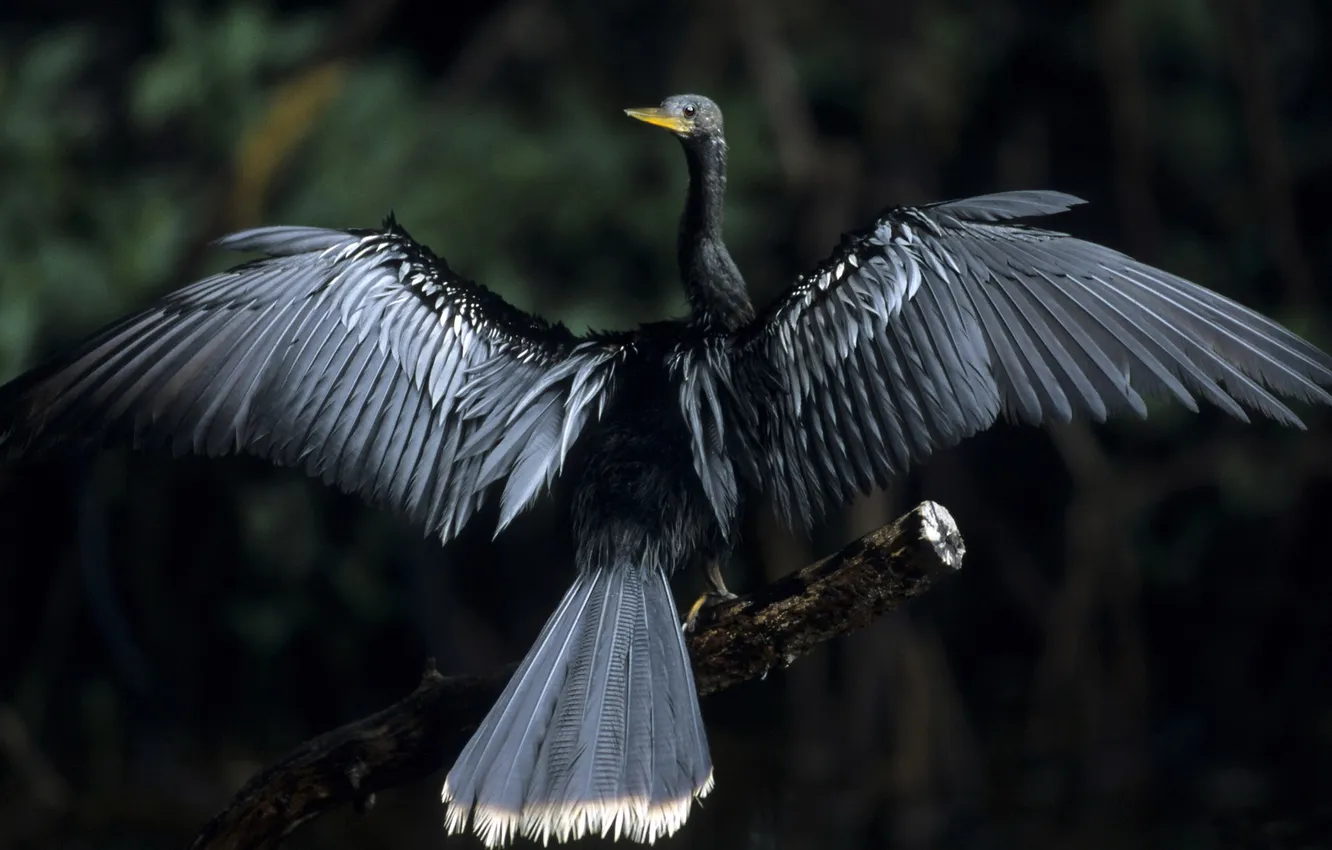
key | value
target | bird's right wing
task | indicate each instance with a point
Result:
(358, 356)
(926, 327)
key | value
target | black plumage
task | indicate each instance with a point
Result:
(362, 358)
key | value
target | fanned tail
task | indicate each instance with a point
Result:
(598, 732)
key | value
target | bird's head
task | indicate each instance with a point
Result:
(692, 117)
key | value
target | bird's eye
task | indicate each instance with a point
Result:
(689, 110)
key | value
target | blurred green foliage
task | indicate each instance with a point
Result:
(213, 75)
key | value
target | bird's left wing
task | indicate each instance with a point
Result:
(358, 356)
(926, 327)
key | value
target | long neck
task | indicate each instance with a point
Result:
(715, 288)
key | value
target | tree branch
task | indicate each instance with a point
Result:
(739, 640)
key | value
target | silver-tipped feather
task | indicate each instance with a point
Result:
(598, 732)
(358, 356)
(928, 326)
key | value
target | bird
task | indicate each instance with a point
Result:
(362, 358)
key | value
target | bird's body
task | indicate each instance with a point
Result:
(639, 471)
(362, 358)
(639, 516)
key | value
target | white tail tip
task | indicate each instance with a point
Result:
(622, 817)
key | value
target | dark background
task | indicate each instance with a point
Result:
(1136, 653)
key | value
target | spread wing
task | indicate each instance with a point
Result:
(926, 327)
(358, 356)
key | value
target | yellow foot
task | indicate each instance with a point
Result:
(716, 594)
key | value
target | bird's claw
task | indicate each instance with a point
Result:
(715, 595)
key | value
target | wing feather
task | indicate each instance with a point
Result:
(931, 324)
(358, 356)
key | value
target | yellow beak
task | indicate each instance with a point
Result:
(660, 118)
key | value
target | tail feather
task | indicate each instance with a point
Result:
(689, 724)
(512, 731)
(599, 730)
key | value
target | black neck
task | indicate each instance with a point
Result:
(715, 288)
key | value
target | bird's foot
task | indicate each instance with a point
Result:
(715, 595)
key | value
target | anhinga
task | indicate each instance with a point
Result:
(361, 357)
